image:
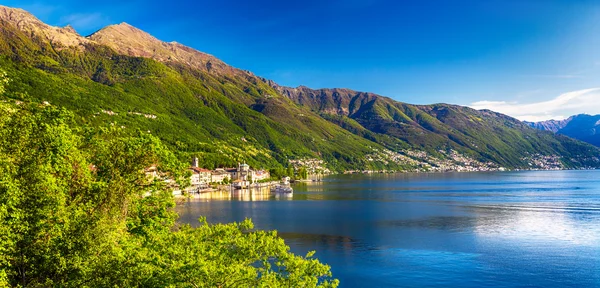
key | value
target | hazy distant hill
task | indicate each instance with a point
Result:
(202, 106)
(550, 125)
(583, 127)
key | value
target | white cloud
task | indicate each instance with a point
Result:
(561, 107)
(558, 76)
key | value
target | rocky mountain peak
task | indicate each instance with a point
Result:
(122, 30)
(583, 127)
(70, 29)
(123, 38)
(129, 40)
(26, 22)
(551, 125)
(19, 17)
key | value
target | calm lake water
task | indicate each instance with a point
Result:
(510, 229)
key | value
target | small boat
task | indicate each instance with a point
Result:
(282, 189)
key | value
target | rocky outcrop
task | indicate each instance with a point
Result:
(123, 38)
(582, 127)
(337, 101)
(131, 41)
(550, 125)
(26, 22)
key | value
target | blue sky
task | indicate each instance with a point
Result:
(532, 59)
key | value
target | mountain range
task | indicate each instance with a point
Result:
(200, 106)
(582, 127)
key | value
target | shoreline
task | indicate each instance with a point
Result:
(455, 171)
(268, 185)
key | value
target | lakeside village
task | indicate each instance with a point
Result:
(310, 170)
(229, 179)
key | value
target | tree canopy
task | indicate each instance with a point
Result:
(77, 210)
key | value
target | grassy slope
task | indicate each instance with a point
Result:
(231, 118)
(222, 119)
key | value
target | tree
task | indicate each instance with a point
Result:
(302, 173)
(3, 81)
(226, 180)
(77, 209)
(102, 75)
(278, 172)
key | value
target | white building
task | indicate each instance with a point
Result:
(219, 175)
(243, 172)
(200, 177)
(259, 175)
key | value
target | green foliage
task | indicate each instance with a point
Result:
(3, 81)
(226, 118)
(302, 173)
(77, 210)
(280, 172)
(221, 118)
(484, 135)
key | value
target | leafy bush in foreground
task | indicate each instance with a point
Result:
(77, 210)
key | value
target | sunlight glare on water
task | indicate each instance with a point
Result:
(511, 229)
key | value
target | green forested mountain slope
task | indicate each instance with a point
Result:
(203, 112)
(484, 135)
(201, 106)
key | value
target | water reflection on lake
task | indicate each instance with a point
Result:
(255, 194)
(513, 229)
